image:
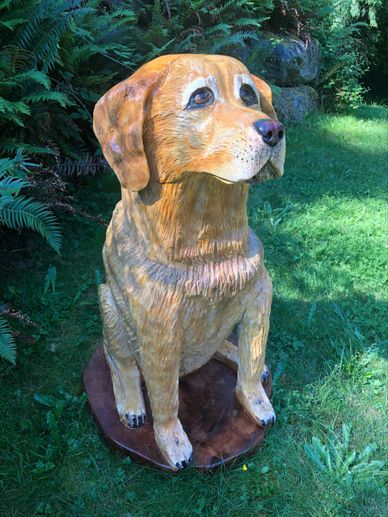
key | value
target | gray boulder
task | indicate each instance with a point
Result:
(288, 61)
(295, 103)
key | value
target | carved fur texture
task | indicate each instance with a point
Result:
(182, 266)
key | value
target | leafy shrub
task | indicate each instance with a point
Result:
(203, 27)
(17, 211)
(346, 30)
(57, 58)
(377, 76)
(342, 464)
(7, 343)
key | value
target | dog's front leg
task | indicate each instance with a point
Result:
(251, 353)
(160, 362)
(124, 371)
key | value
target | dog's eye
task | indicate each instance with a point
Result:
(248, 96)
(201, 98)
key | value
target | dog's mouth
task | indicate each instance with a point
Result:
(269, 171)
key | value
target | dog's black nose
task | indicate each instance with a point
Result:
(271, 131)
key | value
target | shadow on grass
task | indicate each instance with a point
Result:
(370, 112)
(322, 231)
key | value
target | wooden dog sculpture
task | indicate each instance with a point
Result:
(185, 134)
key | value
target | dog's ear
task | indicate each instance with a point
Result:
(265, 97)
(118, 124)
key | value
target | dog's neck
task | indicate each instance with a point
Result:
(192, 221)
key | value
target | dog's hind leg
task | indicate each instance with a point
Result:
(124, 371)
(253, 336)
(228, 354)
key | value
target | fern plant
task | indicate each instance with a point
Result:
(7, 342)
(199, 26)
(57, 58)
(18, 211)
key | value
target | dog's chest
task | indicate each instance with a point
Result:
(214, 280)
(206, 326)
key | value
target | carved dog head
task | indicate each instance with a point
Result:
(190, 113)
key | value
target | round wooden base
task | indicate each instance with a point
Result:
(213, 419)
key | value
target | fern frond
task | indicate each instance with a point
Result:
(11, 186)
(36, 13)
(5, 3)
(10, 145)
(16, 167)
(7, 343)
(87, 165)
(45, 96)
(24, 212)
(236, 4)
(250, 22)
(238, 38)
(8, 107)
(15, 60)
(220, 27)
(34, 75)
(128, 14)
(7, 166)
(12, 23)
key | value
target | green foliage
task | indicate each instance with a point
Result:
(18, 211)
(57, 59)
(7, 343)
(58, 436)
(377, 77)
(347, 31)
(51, 279)
(336, 460)
(186, 26)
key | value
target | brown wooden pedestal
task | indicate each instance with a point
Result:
(213, 419)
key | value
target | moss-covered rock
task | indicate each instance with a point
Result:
(293, 104)
(291, 61)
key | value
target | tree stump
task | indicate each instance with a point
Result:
(216, 424)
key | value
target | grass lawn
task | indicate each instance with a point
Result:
(323, 226)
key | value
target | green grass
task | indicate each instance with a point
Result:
(323, 230)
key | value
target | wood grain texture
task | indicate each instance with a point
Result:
(182, 266)
(218, 427)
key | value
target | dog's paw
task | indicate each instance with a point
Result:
(134, 420)
(174, 444)
(132, 416)
(131, 408)
(265, 374)
(258, 406)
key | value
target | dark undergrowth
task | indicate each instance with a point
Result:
(322, 226)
